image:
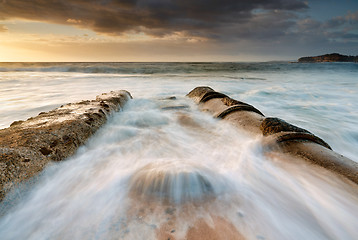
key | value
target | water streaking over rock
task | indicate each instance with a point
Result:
(277, 133)
(152, 173)
(176, 183)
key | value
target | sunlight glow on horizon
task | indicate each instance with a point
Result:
(34, 41)
(111, 31)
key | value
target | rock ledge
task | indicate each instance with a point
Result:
(26, 147)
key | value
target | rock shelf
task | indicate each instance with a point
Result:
(26, 147)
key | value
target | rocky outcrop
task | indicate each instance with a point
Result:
(333, 57)
(26, 147)
(277, 134)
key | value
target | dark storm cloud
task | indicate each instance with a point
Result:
(351, 19)
(336, 29)
(201, 18)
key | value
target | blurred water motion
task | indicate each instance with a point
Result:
(156, 170)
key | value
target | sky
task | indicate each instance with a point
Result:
(175, 30)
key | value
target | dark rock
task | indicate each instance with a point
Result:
(101, 112)
(270, 126)
(171, 98)
(170, 210)
(26, 160)
(197, 93)
(175, 107)
(237, 108)
(231, 102)
(66, 139)
(16, 123)
(54, 143)
(211, 95)
(45, 151)
(98, 115)
(275, 125)
(333, 57)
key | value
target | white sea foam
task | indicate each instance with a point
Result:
(91, 194)
(94, 194)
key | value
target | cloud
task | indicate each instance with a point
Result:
(275, 27)
(336, 29)
(3, 28)
(158, 18)
(74, 21)
(352, 17)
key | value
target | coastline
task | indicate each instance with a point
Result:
(332, 57)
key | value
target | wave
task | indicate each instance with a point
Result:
(166, 68)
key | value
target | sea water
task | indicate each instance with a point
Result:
(98, 193)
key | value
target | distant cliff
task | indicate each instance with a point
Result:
(333, 57)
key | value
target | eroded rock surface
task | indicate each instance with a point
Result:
(276, 133)
(26, 147)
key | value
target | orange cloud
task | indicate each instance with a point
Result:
(3, 28)
(75, 21)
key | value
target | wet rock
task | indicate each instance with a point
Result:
(179, 107)
(170, 183)
(237, 108)
(26, 147)
(232, 102)
(16, 123)
(275, 125)
(45, 151)
(211, 95)
(277, 134)
(171, 98)
(220, 228)
(170, 210)
(54, 143)
(285, 131)
(197, 93)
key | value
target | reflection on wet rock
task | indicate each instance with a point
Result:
(174, 183)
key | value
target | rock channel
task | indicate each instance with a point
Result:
(26, 147)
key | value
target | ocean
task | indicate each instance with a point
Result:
(88, 195)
